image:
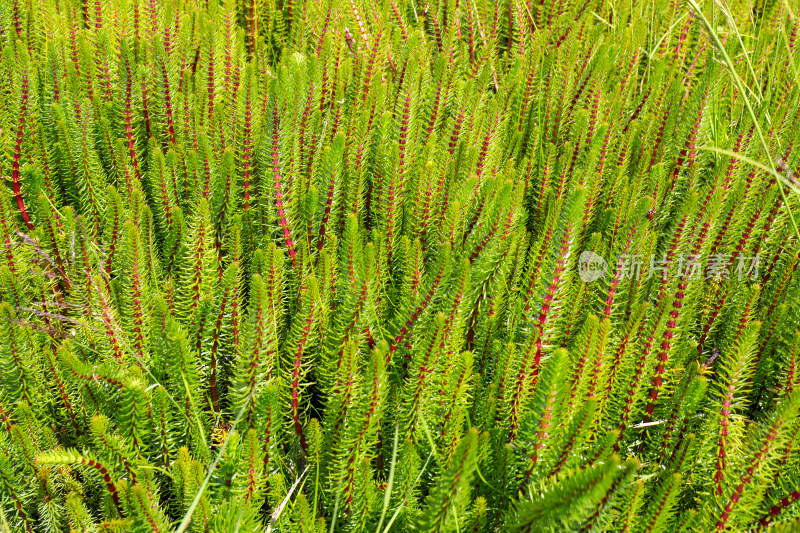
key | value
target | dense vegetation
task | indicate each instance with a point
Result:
(286, 265)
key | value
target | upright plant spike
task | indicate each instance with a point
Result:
(19, 359)
(25, 91)
(73, 457)
(549, 403)
(197, 277)
(737, 368)
(136, 289)
(658, 513)
(256, 362)
(772, 434)
(302, 336)
(571, 501)
(447, 500)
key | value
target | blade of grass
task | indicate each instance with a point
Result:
(195, 413)
(405, 498)
(478, 466)
(655, 47)
(749, 161)
(387, 496)
(335, 507)
(279, 509)
(187, 518)
(427, 431)
(6, 527)
(316, 488)
(743, 92)
(732, 23)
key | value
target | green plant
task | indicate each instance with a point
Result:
(300, 266)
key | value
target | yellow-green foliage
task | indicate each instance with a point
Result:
(295, 265)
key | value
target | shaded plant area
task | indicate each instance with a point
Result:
(287, 265)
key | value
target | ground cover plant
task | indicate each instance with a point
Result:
(458, 265)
